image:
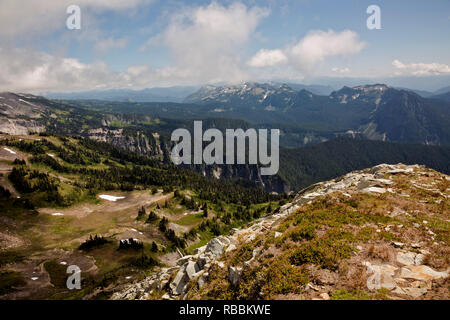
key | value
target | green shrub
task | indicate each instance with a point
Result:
(343, 294)
(241, 255)
(323, 252)
(305, 230)
(282, 278)
(10, 256)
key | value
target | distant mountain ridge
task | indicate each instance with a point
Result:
(169, 94)
(373, 111)
(444, 96)
(158, 94)
(248, 93)
(442, 90)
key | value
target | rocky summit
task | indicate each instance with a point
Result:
(379, 233)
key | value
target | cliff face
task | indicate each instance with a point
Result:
(19, 112)
(134, 141)
(379, 233)
(156, 146)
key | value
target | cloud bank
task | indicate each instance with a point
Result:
(315, 47)
(420, 69)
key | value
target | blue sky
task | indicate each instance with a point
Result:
(146, 43)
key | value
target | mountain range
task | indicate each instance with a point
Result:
(373, 111)
(169, 94)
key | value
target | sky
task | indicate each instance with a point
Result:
(159, 43)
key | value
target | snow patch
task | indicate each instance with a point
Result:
(10, 151)
(110, 198)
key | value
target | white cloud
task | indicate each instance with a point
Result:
(318, 45)
(312, 49)
(32, 17)
(267, 58)
(26, 70)
(420, 69)
(25, 22)
(206, 42)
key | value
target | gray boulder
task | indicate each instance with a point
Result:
(215, 247)
(191, 269)
(179, 284)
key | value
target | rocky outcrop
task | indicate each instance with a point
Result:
(388, 276)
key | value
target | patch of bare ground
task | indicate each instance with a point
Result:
(8, 241)
(169, 259)
(132, 201)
